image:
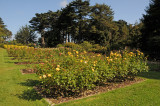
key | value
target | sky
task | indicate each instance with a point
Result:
(17, 13)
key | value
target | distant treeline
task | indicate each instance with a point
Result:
(79, 22)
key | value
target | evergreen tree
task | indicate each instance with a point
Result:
(102, 29)
(80, 13)
(151, 29)
(4, 32)
(25, 35)
(40, 24)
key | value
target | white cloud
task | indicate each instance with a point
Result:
(63, 3)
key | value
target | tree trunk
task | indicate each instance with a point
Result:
(43, 42)
(42, 37)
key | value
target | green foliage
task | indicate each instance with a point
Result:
(73, 71)
(151, 28)
(86, 45)
(60, 45)
(25, 35)
(4, 32)
(68, 72)
(1, 45)
(73, 46)
(79, 22)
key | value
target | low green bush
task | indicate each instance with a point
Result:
(1, 45)
(74, 72)
(60, 45)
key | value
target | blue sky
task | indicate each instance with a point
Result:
(17, 13)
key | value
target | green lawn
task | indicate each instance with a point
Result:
(15, 88)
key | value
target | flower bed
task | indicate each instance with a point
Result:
(67, 72)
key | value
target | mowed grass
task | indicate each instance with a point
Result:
(17, 89)
(146, 93)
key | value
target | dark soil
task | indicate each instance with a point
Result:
(99, 89)
(23, 63)
(27, 71)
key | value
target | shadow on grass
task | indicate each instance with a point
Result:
(30, 94)
(150, 75)
(30, 83)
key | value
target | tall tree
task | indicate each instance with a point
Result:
(80, 13)
(102, 29)
(4, 32)
(151, 28)
(40, 24)
(25, 35)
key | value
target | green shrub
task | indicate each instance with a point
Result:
(1, 45)
(60, 45)
(74, 72)
(73, 46)
(86, 45)
(68, 72)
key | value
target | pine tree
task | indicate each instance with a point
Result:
(25, 35)
(151, 30)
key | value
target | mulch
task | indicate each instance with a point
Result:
(27, 71)
(23, 63)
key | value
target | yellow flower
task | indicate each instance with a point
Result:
(81, 61)
(44, 76)
(99, 55)
(94, 64)
(76, 52)
(49, 75)
(40, 77)
(85, 52)
(92, 69)
(57, 69)
(69, 53)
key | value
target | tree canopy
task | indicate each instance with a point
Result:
(4, 32)
(25, 35)
(151, 30)
(79, 22)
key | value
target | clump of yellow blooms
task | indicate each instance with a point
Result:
(84, 52)
(18, 47)
(77, 52)
(49, 75)
(92, 69)
(69, 53)
(58, 68)
(99, 55)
